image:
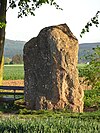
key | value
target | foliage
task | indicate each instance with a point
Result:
(27, 7)
(7, 60)
(49, 125)
(17, 59)
(2, 24)
(13, 72)
(84, 48)
(92, 98)
(11, 48)
(94, 21)
(91, 71)
(81, 70)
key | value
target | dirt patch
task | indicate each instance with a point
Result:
(13, 82)
(90, 109)
(21, 83)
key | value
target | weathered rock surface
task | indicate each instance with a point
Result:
(51, 77)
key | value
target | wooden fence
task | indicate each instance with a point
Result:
(6, 93)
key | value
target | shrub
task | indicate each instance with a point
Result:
(91, 71)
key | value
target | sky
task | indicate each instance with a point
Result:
(76, 13)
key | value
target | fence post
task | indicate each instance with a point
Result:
(14, 95)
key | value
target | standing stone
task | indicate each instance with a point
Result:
(51, 77)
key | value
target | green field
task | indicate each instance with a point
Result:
(13, 72)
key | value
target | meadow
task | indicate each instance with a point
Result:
(13, 72)
(22, 120)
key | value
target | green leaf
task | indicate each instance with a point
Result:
(2, 24)
(94, 21)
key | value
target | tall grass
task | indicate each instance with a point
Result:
(49, 125)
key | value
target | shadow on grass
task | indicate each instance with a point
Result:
(12, 107)
(18, 107)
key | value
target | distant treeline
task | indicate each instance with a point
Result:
(16, 59)
(13, 48)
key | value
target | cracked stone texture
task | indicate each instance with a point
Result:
(51, 76)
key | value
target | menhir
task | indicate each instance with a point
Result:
(50, 64)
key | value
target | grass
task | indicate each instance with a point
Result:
(44, 121)
(13, 72)
(49, 125)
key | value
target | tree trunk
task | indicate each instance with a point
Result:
(3, 4)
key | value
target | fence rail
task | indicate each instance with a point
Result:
(6, 91)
